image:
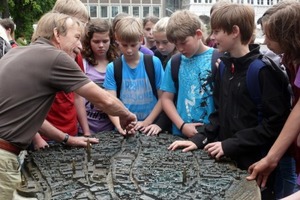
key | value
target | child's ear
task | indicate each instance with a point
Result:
(235, 30)
(199, 34)
(141, 39)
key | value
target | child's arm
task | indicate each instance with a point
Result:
(294, 196)
(81, 115)
(115, 120)
(155, 112)
(38, 142)
(116, 123)
(50, 131)
(188, 129)
(167, 101)
(263, 168)
(147, 126)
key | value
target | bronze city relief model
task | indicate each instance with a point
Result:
(135, 167)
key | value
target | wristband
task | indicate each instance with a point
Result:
(64, 142)
(181, 127)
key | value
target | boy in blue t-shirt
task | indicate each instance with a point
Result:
(136, 91)
(194, 95)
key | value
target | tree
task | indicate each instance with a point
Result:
(4, 8)
(27, 12)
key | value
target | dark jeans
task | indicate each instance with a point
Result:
(286, 177)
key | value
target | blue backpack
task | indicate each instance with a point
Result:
(252, 79)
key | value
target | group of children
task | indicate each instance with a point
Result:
(209, 102)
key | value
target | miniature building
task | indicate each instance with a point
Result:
(136, 167)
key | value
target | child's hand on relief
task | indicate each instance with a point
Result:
(122, 131)
(140, 125)
(185, 144)
(152, 129)
(189, 129)
(214, 149)
(41, 144)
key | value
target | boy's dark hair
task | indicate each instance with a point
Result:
(230, 15)
(217, 5)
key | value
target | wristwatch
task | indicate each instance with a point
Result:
(64, 142)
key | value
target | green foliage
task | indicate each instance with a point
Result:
(4, 8)
(27, 12)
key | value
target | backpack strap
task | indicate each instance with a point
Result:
(149, 66)
(118, 74)
(252, 82)
(216, 54)
(175, 64)
(221, 68)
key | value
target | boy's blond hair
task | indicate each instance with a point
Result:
(230, 15)
(182, 24)
(129, 29)
(161, 25)
(50, 21)
(117, 18)
(74, 8)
